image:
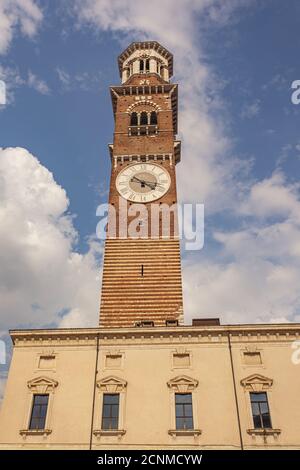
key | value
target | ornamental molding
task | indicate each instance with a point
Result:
(256, 383)
(182, 384)
(179, 335)
(143, 102)
(111, 384)
(41, 385)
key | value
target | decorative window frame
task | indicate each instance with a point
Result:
(112, 352)
(49, 353)
(110, 384)
(183, 384)
(258, 383)
(252, 349)
(180, 351)
(39, 386)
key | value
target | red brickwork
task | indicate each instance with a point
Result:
(142, 276)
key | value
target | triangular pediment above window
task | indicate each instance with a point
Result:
(112, 384)
(256, 383)
(182, 384)
(42, 384)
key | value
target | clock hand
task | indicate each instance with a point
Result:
(147, 183)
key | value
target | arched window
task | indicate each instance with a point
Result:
(141, 66)
(147, 65)
(134, 119)
(144, 119)
(153, 118)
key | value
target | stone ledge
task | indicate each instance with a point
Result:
(109, 432)
(264, 432)
(184, 432)
(35, 432)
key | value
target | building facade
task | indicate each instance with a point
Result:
(239, 385)
(143, 379)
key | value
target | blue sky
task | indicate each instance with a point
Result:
(234, 62)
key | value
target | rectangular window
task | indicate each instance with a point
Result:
(110, 411)
(39, 412)
(260, 410)
(184, 411)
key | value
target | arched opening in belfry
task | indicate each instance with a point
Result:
(134, 119)
(153, 118)
(144, 119)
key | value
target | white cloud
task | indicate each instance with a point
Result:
(80, 81)
(241, 291)
(250, 110)
(41, 274)
(64, 77)
(18, 16)
(13, 80)
(37, 84)
(273, 197)
(255, 276)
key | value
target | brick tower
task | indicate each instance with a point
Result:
(142, 274)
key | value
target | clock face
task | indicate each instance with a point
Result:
(143, 182)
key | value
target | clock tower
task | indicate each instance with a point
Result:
(141, 282)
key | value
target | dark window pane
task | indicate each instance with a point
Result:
(255, 397)
(188, 410)
(43, 411)
(110, 411)
(39, 412)
(260, 410)
(257, 422)
(183, 397)
(115, 411)
(110, 398)
(153, 118)
(184, 411)
(266, 420)
(189, 423)
(255, 409)
(179, 410)
(35, 412)
(144, 119)
(106, 411)
(179, 423)
(114, 423)
(34, 423)
(40, 399)
(133, 119)
(105, 423)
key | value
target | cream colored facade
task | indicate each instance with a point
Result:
(218, 365)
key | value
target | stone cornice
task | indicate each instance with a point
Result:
(158, 335)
